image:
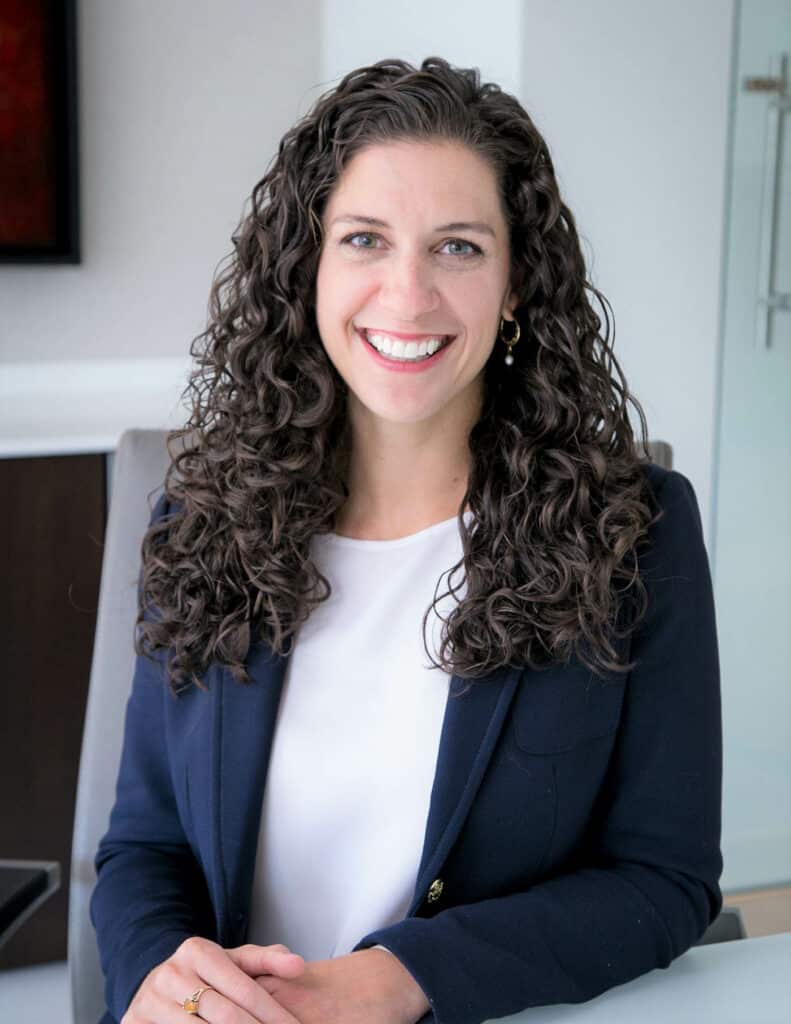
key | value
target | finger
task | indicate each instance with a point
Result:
(175, 986)
(216, 1008)
(278, 960)
(161, 1012)
(276, 947)
(268, 981)
(212, 963)
(160, 1000)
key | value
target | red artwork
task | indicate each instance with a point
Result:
(34, 138)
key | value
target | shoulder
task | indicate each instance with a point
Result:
(668, 485)
(674, 547)
(675, 497)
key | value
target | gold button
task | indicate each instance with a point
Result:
(435, 890)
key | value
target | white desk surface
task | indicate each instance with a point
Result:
(743, 982)
(747, 981)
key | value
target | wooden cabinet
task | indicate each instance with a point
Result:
(52, 522)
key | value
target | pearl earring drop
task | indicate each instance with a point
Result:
(510, 342)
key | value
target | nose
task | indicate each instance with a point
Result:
(408, 289)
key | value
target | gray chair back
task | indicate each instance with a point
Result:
(139, 470)
(661, 453)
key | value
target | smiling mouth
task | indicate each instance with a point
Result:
(406, 350)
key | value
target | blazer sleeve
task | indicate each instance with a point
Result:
(650, 884)
(148, 881)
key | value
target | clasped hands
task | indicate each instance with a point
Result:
(270, 985)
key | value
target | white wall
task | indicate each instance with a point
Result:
(181, 106)
(633, 100)
(464, 32)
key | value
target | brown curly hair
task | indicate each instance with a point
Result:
(558, 496)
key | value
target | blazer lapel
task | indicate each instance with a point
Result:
(243, 726)
(473, 721)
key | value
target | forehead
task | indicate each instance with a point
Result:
(435, 177)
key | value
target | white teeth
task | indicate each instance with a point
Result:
(397, 349)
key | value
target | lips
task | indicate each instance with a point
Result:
(407, 366)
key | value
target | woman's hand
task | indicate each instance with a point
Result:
(369, 986)
(234, 998)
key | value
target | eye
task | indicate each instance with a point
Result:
(475, 250)
(360, 234)
(460, 241)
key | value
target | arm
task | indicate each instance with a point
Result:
(648, 886)
(149, 887)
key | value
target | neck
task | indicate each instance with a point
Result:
(403, 477)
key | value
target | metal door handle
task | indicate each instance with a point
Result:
(768, 299)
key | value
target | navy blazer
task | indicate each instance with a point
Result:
(573, 834)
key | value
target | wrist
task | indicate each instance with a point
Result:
(404, 994)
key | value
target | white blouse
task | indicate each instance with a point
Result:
(355, 747)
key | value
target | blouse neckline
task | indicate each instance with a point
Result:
(394, 542)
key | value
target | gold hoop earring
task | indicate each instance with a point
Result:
(510, 342)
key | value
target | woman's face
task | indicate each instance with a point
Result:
(415, 244)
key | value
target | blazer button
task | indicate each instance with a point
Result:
(435, 890)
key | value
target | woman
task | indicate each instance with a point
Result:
(403, 377)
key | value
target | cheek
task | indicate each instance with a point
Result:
(323, 291)
(339, 298)
(473, 299)
(483, 294)
(327, 310)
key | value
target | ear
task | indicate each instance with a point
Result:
(509, 306)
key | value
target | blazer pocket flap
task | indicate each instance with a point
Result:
(561, 708)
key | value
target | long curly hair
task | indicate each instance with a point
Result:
(558, 497)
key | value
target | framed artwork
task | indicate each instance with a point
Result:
(39, 215)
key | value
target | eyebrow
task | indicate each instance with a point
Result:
(456, 225)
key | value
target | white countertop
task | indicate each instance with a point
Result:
(82, 406)
(747, 981)
(743, 982)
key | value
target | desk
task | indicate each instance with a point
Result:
(742, 982)
(24, 886)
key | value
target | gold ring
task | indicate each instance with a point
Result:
(190, 1004)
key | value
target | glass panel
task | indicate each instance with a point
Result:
(751, 553)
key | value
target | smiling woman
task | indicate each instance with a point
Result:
(532, 816)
